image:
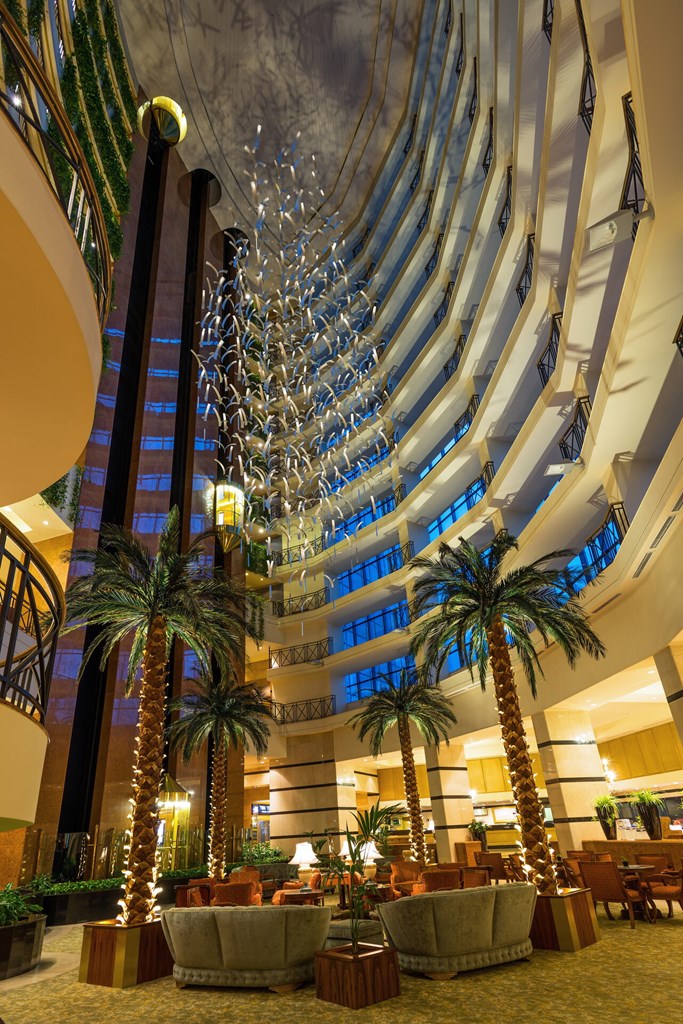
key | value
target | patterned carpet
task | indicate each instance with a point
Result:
(622, 978)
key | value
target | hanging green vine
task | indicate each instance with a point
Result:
(99, 51)
(97, 115)
(118, 60)
(36, 17)
(73, 107)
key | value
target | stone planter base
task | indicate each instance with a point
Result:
(370, 976)
(565, 922)
(21, 945)
(119, 957)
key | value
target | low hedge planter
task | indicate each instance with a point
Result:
(78, 907)
(21, 945)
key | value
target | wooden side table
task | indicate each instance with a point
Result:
(303, 899)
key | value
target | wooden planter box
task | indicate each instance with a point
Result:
(21, 945)
(119, 957)
(77, 907)
(359, 980)
(565, 922)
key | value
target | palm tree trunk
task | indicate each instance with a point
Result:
(139, 898)
(219, 787)
(534, 838)
(417, 838)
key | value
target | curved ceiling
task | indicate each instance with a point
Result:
(337, 71)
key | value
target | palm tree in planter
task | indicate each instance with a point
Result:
(412, 699)
(152, 599)
(482, 612)
(229, 714)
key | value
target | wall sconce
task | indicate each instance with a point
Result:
(229, 514)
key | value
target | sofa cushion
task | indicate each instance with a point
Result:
(269, 938)
(192, 936)
(513, 912)
(441, 924)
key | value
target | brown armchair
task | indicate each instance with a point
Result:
(607, 886)
(404, 875)
(438, 880)
(664, 883)
(472, 878)
(495, 862)
(236, 894)
(247, 874)
(327, 883)
(193, 895)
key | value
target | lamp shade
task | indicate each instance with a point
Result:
(370, 852)
(304, 855)
(345, 853)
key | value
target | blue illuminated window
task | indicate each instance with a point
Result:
(364, 516)
(371, 569)
(474, 493)
(395, 616)
(371, 680)
(437, 458)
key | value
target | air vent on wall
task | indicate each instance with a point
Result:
(605, 603)
(642, 565)
(665, 527)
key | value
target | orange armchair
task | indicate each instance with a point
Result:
(247, 874)
(236, 894)
(437, 880)
(404, 875)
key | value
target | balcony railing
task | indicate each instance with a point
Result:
(409, 144)
(306, 549)
(506, 212)
(633, 193)
(31, 615)
(300, 654)
(464, 422)
(442, 309)
(571, 442)
(546, 364)
(34, 110)
(303, 710)
(430, 266)
(524, 284)
(548, 12)
(304, 603)
(678, 339)
(488, 153)
(360, 244)
(422, 223)
(418, 173)
(588, 87)
(454, 361)
(601, 549)
(471, 113)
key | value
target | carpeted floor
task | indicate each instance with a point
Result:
(628, 976)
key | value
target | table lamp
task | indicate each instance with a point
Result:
(370, 854)
(304, 856)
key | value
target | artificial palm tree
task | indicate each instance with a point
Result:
(482, 613)
(228, 714)
(411, 699)
(151, 599)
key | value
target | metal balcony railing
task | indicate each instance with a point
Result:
(430, 266)
(524, 284)
(304, 603)
(442, 309)
(506, 212)
(588, 87)
(471, 113)
(571, 442)
(678, 339)
(300, 654)
(422, 223)
(35, 111)
(304, 710)
(409, 144)
(449, 18)
(418, 173)
(601, 548)
(360, 244)
(464, 422)
(548, 12)
(633, 193)
(546, 364)
(461, 52)
(31, 616)
(296, 553)
(454, 360)
(488, 153)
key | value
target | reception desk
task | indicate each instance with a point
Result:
(628, 848)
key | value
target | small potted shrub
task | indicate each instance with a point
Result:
(22, 930)
(360, 973)
(478, 830)
(647, 806)
(607, 811)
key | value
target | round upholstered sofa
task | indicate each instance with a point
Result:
(442, 933)
(252, 947)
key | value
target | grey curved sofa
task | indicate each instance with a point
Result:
(252, 947)
(441, 933)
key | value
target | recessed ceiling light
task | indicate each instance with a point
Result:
(45, 522)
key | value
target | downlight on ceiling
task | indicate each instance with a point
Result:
(615, 228)
(560, 468)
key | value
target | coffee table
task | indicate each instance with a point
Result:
(303, 899)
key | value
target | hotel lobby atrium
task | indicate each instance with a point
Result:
(333, 309)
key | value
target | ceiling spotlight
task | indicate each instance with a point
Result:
(615, 228)
(560, 468)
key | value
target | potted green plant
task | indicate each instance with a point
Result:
(647, 806)
(22, 930)
(607, 811)
(478, 830)
(358, 974)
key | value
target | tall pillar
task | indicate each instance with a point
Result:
(449, 789)
(669, 663)
(573, 774)
(305, 795)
